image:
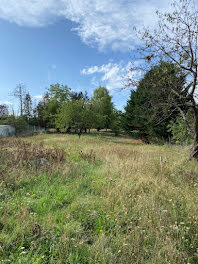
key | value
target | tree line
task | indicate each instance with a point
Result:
(146, 115)
(67, 110)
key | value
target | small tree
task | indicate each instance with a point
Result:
(176, 39)
(102, 107)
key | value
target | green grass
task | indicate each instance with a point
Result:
(109, 201)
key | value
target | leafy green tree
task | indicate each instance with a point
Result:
(180, 132)
(116, 122)
(40, 112)
(59, 93)
(71, 115)
(102, 107)
(49, 106)
(146, 110)
(79, 96)
(75, 113)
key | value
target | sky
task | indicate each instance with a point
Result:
(79, 43)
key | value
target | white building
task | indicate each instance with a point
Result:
(7, 131)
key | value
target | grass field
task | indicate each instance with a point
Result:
(101, 200)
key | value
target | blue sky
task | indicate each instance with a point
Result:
(83, 44)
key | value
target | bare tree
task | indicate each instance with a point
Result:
(176, 40)
(19, 92)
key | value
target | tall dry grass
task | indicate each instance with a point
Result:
(110, 201)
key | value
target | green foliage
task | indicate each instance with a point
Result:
(150, 108)
(179, 131)
(81, 113)
(66, 109)
(19, 123)
(48, 108)
(59, 93)
(116, 122)
(71, 114)
(102, 107)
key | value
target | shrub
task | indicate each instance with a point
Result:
(180, 133)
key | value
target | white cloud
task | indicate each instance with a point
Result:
(38, 97)
(101, 22)
(31, 12)
(6, 103)
(111, 75)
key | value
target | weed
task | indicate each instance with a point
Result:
(89, 157)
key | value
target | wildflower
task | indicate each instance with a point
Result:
(175, 227)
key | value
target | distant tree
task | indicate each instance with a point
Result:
(116, 121)
(59, 93)
(40, 112)
(49, 106)
(150, 107)
(78, 96)
(3, 110)
(88, 116)
(102, 107)
(71, 115)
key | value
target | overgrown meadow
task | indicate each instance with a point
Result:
(97, 199)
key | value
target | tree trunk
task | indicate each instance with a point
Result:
(68, 130)
(57, 130)
(194, 150)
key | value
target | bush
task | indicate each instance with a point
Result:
(180, 133)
